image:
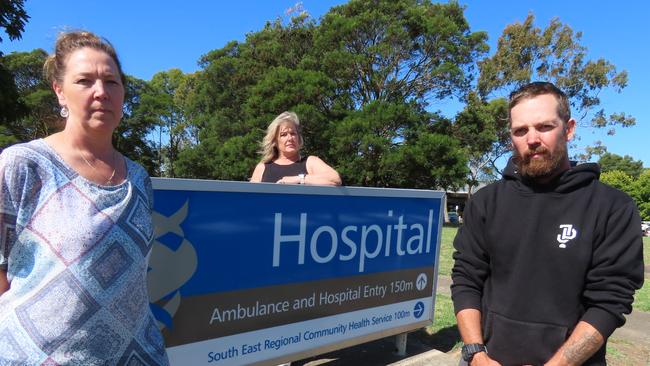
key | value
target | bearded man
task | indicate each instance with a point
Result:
(548, 258)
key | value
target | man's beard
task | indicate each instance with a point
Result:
(538, 168)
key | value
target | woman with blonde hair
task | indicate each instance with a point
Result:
(281, 160)
(76, 228)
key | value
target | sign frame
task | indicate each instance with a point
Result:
(177, 184)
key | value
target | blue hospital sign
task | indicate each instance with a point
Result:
(247, 273)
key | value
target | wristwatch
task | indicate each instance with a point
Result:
(469, 350)
(302, 178)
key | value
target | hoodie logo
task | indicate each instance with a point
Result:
(568, 233)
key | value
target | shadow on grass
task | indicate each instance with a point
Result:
(443, 340)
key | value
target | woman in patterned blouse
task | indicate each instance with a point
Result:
(75, 227)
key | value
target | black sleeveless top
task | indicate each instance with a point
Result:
(274, 172)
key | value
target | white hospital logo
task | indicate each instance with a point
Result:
(164, 285)
(568, 233)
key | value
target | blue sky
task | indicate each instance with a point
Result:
(156, 36)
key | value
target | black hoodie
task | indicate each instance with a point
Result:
(537, 259)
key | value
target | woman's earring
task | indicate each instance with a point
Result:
(64, 112)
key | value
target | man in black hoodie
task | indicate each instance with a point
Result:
(548, 258)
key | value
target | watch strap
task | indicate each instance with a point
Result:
(469, 350)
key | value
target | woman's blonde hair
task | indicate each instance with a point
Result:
(269, 150)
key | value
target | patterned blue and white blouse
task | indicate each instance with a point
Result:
(76, 257)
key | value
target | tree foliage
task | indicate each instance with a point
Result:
(617, 179)
(12, 21)
(13, 18)
(526, 52)
(360, 80)
(10, 106)
(161, 105)
(363, 80)
(482, 129)
(609, 162)
(131, 135)
(39, 115)
(399, 50)
(641, 194)
(638, 188)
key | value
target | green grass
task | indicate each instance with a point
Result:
(642, 297)
(444, 314)
(446, 251)
(646, 250)
(613, 352)
(442, 334)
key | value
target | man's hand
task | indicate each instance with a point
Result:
(482, 359)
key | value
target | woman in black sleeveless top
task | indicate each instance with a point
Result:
(281, 160)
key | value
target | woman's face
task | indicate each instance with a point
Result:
(92, 89)
(288, 140)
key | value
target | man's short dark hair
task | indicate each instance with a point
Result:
(537, 88)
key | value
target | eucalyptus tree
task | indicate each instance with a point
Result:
(526, 52)
(360, 79)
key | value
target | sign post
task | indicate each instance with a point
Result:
(246, 273)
